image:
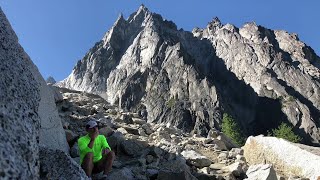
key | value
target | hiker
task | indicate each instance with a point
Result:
(95, 153)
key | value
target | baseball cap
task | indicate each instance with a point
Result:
(91, 124)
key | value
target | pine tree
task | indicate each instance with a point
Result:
(231, 129)
(285, 131)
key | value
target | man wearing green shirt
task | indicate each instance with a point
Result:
(95, 153)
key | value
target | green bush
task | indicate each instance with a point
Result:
(231, 129)
(171, 102)
(285, 131)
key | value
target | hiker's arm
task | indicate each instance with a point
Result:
(83, 147)
(105, 146)
(92, 138)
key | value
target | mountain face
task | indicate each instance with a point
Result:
(189, 79)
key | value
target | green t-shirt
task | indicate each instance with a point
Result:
(99, 144)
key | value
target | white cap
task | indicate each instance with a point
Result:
(91, 124)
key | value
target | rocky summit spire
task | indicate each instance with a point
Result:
(120, 18)
(214, 24)
(142, 8)
(140, 14)
(216, 21)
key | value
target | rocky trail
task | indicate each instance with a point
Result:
(147, 150)
(154, 151)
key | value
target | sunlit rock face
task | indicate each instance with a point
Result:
(277, 66)
(188, 80)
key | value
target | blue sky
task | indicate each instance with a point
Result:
(56, 34)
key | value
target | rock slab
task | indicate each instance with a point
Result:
(19, 103)
(285, 156)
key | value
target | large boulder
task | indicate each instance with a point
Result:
(52, 134)
(19, 103)
(56, 164)
(132, 147)
(56, 93)
(285, 156)
(27, 110)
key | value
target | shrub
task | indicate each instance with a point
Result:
(171, 102)
(285, 131)
(231, 129)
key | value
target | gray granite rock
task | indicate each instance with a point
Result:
(52, 134)
(131, 148)
(50, 80)
(56, 164)
(19, 103)
(280, 69)
(285, 156)
(124, 174)
(28, 110)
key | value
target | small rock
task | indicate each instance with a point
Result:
(106, 131)
(112, 111)
(132, 130)
(223, 156)
(122, 130)
(152, 173)
(196, 159)
(156, 151)
(261, 172)
(70, 136)
(235, 169)
(205, 170)
(147, 129)
(169, 156)
(216, 166)
(98, 108)
(106, 121)
(240, 158)
(207, 141)
(116, 164)
(138, 121)
(212, 134)
(149, 159)
(66, 125)
(165, 175)
(142, 132)
(74, 151)
(227, 141)
(234, 152)
(172, 136)
(123, 174)
(126, 118)
(135, 115)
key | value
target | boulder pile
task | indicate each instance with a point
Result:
(147, 150)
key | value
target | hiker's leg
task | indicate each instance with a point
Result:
(87, 164)
(108, 162)
(105, 163)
